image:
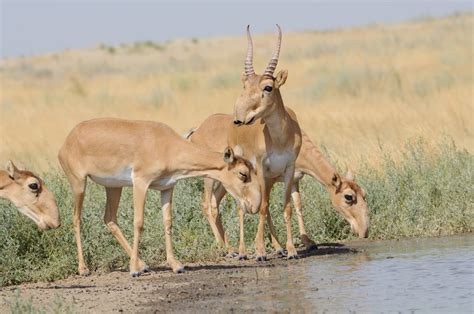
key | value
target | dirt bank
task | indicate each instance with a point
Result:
(203, 287)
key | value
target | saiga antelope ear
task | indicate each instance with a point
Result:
(281, 78)
(229, 155)
(243, 77)
(336, 181)
(350, 175)
(11, 169)
(20, 166)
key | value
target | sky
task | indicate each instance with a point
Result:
(38, 27)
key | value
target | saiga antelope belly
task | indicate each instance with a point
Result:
(124, 178)
(275, 163)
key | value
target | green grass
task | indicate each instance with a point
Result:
(427, 193)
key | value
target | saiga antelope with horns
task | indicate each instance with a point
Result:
(141, 154)
(347, 197)
(30, 195)
(273, 143)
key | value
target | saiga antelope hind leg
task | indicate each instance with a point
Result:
(214, 192)
(296, 196)
(140, 188)
(110, 219)
(166, 197)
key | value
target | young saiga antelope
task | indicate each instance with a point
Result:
(347, 197)
(141, 154)
(30, 195)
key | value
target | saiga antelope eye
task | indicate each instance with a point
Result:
(243, 176)
(268, 88)
(349, 198)
(33, 186)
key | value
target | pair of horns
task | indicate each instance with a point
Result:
(249, 71)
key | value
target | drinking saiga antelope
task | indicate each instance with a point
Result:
(347, 197)
(30, 195)
(142, 154)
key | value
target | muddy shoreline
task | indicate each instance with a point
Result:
(163, 291)
(406, 275)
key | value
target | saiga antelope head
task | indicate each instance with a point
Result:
(241, 182)
(261, 93)
(348, 198)
(32, 198)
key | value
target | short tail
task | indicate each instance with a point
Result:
(188, 133)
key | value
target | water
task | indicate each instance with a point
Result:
(410, 276)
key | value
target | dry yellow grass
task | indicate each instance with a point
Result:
(353, 90)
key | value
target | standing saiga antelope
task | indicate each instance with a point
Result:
(141, 154)
(30, 195)
(347, 197)
(272, 143)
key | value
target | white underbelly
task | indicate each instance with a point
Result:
(124, 178)
(164, 183)
(115, 180)
(275, 164)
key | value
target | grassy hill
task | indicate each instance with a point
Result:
(354, 90)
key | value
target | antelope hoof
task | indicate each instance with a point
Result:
(135, 274)
(261, 258)
(84, 271)
(295, 256)
(308, 243)
(232, 254)
(281, 253)
(146, 269)
(179, 270)
(243, 257)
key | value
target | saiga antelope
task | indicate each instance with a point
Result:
(30, 195)
(347, 197)
(141, 154)
(273, 142)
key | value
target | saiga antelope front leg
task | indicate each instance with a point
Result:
(289, 178)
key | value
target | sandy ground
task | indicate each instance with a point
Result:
(207, 287)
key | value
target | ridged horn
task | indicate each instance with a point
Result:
(274, 60)
(249, 71)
